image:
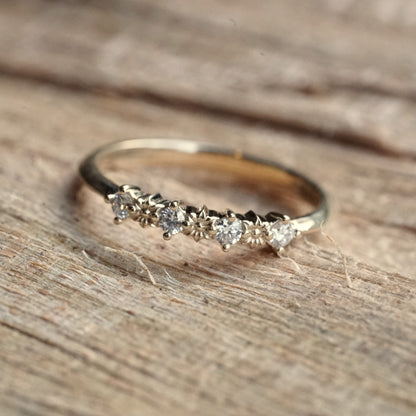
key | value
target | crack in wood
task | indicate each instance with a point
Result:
(351, 139)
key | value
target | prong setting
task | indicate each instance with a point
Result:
(167, 236)
(171, 219)
(281, 234)
(228, 228)
(108, 198)
(226, 247)
(120, 204)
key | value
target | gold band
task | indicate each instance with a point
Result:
(228, 228)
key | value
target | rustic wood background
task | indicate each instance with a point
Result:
(326, 86)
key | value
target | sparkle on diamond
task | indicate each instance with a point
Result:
(228, 232)
(283, 234)
(120, 204)
(171, 220)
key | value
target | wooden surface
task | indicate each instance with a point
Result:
(327, 87)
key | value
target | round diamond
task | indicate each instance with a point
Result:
(228, 232)
(171, 220)
(283, 234)
(120, 204)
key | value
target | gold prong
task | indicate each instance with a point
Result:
(286, 218)
(124, 188)
(268, 234)
(203, 212)
(167, 236)
(280, 250)
(230, 215)
(174, 205)
(117, 221)
(187, 224)
(226, 247)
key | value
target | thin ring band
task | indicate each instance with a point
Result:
(228, 228)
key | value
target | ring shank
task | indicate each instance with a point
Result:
(94, 177)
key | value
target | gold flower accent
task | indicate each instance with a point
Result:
(256, 233)
(199, 224)
(146, 209)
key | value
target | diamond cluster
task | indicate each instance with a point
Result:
(173, 217)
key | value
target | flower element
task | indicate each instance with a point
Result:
(146, 209)
(199, 225)
(255, 233)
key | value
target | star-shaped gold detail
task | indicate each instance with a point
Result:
(146, 209)
(256, 233)
(199, 224)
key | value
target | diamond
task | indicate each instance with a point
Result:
(255, 232)
(228, 232)
(171, 220)
(120, 204)
(283, 234)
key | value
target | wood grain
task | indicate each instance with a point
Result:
(82, 329)
(343, 82)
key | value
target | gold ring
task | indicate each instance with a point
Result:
(274, 229)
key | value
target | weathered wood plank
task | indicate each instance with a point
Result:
(84, 332)
(328, 87)
(346, 81)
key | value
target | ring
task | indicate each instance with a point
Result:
(274, 229)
